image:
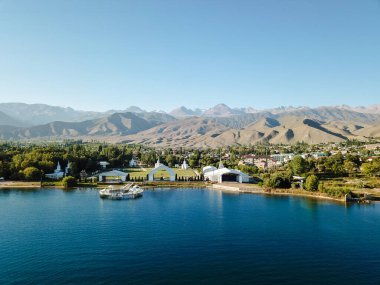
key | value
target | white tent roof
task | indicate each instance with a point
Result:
(225, 170)
(113, 173)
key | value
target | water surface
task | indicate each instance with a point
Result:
(185, 236)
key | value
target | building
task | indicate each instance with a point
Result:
(159, 167)
(259, 161)
(58, 173)
(184, 165)
(224, 174)
(133, 163)
(113, 176)
(104, 164)
(283, 157)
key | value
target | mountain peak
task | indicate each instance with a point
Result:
(222, 110)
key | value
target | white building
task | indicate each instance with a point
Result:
(184, 165)
(113, 176)
(159, 167)
(158, 163)
(133, 163)
(104, 164)
(57, 174)
(213, 174)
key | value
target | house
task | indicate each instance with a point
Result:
(224, 174)
(282, 158)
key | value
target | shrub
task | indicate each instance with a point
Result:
(32, 173)
(69, 182)
(278, 180)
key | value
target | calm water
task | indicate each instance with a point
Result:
(185, 236)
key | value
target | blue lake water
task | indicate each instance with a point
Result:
(185, 236)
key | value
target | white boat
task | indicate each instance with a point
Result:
(128, 191)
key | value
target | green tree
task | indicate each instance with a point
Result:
(278, 180)
(69, 182)
(311, 183)
(371, 168)
(298, 165)
(32, 173)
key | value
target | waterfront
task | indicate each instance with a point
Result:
(185, 236)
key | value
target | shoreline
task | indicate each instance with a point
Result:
(254, 189)
(227, 187)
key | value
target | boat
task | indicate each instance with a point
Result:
(128, 191)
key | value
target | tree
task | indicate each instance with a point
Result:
(278, 180)
(298, 165)
(311, 183)
(32, 173)
(69, 182)
(371, 168)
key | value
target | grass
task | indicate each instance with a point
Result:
(138, 172)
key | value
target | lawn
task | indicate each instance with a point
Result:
(138, 172)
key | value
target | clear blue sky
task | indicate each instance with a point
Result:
(160, 54)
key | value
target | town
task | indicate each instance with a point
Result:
(334, 169)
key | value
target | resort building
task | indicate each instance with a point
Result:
(113, 176)
(184, 165)
(58, 173)
(159, 167)
(224, 174)
(259, 161)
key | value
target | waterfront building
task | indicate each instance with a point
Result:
(57, 174)
(224, 174)
(113, 176)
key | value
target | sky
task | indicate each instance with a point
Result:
(161, 54)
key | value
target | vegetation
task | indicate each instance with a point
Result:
(69, 182)
(311, 183)
(334, 173)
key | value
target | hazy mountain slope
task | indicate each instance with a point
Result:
(186, 132)
(332, 114)
(185, 112)
(35, 114)
(116, 124)
(9, 121)
(156, 118)
(221, 110)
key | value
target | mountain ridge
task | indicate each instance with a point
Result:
(216, 126)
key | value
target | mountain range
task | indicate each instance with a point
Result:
(216, 126)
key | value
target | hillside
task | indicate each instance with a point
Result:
(114, 125)
(217, 126)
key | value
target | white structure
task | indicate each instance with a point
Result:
(158, 167)
(114, 175)
(224, 174)
(133, 163)
(104, 164)
(158, 163)
(58, 173)
(67, 168)
(184, 165)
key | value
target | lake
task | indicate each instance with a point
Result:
(185, 236)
